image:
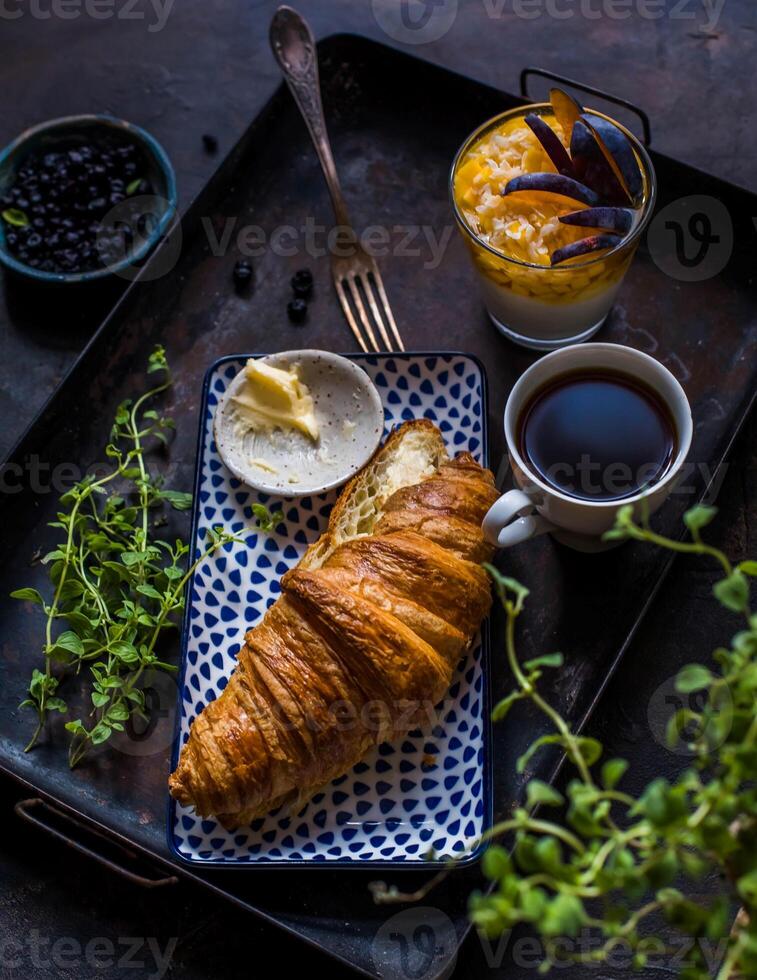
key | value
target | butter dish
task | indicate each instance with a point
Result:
(304, 427)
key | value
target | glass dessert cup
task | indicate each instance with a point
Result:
(533, 303)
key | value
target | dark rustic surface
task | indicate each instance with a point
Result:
(703, 633)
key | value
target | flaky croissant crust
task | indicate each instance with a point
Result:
(358, 647)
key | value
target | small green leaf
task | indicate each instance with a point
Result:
(699, 517)
(612, 772)
(56, 555)
(496, 863)
(119, 712)
(150, 591)
(502, 708)
(677, 726)
(130, 558)
(747, 567)
(693, 677)
(547, 660)
(157, 360)
(591, 750)
(99, 734)
(28, 595)
(267, 521)
(133, 186)
(747, 886)
(69, 642)
(563, 916)
(538, 792)
(534, 748)
(15, 217)
(178, 500)
(124, 651)
(615, 534)
(732, 592)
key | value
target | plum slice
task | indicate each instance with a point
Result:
(594, 243)
(551, 143)
(553, 184)
(592, 166)
(566, 111)
(619, 153)
(612, 219)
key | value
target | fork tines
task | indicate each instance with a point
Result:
(361, 291)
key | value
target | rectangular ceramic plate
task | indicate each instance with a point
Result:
(417, 801)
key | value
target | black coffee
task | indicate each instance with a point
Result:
(597, 435)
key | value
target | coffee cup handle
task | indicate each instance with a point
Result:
(513, 519)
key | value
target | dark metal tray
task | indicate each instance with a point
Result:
(396, 122)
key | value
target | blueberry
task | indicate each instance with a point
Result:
(297, 310)
(242, 274)
(302, 283)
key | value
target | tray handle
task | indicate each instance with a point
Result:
(44, 816)
(590, 90)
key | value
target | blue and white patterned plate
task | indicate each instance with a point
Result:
(414, 802)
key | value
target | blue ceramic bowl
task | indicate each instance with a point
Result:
(61, 133)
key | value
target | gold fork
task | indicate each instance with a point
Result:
(356, 276)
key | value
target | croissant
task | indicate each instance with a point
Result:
(363, 640)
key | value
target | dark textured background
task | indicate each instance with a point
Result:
(209, 70)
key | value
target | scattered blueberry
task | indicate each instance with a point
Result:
(242, 274)
(302, 283)
(297, 310)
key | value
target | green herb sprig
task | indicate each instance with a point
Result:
(266, 519)
(601, 861)
(115, 587)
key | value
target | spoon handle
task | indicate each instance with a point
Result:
(293, 47)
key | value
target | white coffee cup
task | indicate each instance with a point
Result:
(537, 507)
